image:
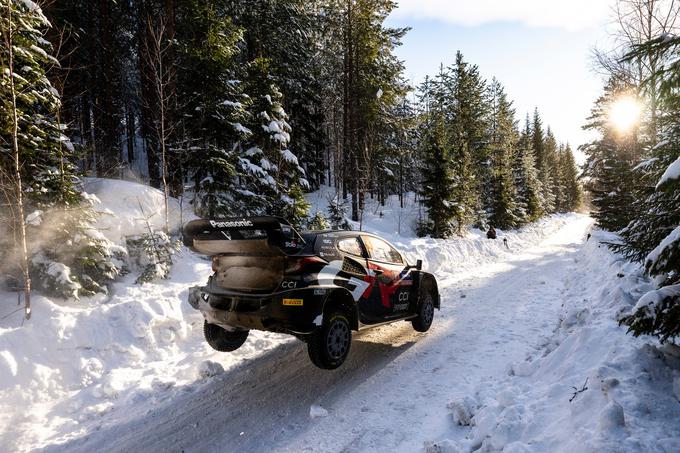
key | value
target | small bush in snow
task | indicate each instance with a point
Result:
(657, 313)
(318, 222)
(69, 258)
(337, 214)
(151, 254)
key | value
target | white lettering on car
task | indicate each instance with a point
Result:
(231, 224)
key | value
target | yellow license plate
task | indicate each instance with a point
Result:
(293, 302)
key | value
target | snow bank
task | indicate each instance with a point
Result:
(124, 206)
(441, 256)
(75, 368)
(591, 387)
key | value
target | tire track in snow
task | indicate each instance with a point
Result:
(391, 395)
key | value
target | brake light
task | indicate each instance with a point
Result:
(297, 265)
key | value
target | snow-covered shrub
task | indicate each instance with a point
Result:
(318, 222)
(337, 214)
(657, 313)
(151, 254)
(69, 258)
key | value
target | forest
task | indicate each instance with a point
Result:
(240, 108)
(633, 172)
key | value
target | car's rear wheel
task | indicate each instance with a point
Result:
(329, 346)
(423, 322)
(223, 340)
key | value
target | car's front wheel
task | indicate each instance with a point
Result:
(223, 340)
(425, 316)
(329, 346)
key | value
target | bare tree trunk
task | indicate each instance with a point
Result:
(155, 53)
(19, 216)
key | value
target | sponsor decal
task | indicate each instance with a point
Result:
(403, 297)
(293, 302)
(319, 292)
(400, 307)
(231, 223)
(289, 285)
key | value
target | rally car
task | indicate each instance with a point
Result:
(318, 286)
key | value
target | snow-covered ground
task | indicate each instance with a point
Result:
(519, 327)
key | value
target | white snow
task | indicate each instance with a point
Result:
(288, 156)
(520, 331)
(672, 173)
(672, 238)
(126, 206)
(317, 412)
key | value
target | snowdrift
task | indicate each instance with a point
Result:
(590, 387)
(78, 367)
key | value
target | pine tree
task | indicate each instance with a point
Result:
(439, 183)
(549, 172)
(610, 162)
(52, 220)
(530, 205)
(212, 133)
(572, 194)
(501, 197)
(280, 177)
(464, 100)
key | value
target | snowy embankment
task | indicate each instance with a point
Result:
(78, 367)
(591, 387)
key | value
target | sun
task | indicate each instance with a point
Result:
(625, 113)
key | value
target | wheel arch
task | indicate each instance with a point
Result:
(341, 298)
(428, 281)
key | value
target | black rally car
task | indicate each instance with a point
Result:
(318, 286)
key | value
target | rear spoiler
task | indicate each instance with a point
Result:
(276, 231)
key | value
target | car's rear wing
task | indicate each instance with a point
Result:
(262, 236)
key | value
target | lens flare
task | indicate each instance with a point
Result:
(625, 114)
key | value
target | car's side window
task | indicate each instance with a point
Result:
(351, 246)
(382, 251)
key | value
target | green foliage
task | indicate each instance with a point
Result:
(658, 314)
(653, 236)
(318, 222)
(610, 163)
(337, 214)
(68, 258)
(501, 196)
(151, 254)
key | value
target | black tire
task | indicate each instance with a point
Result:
(329, 346)
(223, 340)
(425, 311)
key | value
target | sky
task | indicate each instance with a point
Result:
(540, 50)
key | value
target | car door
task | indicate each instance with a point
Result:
(392, 279)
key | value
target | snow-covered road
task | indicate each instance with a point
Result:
(391, 394)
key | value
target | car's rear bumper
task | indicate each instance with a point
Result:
(295, 311)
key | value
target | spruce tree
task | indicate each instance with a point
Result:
(528, 186)
(501, 194)
(66, 257)
(212, 133)
(466, 110)
(653, 237)
(572, 194)
(610, 163)
(549, 172)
